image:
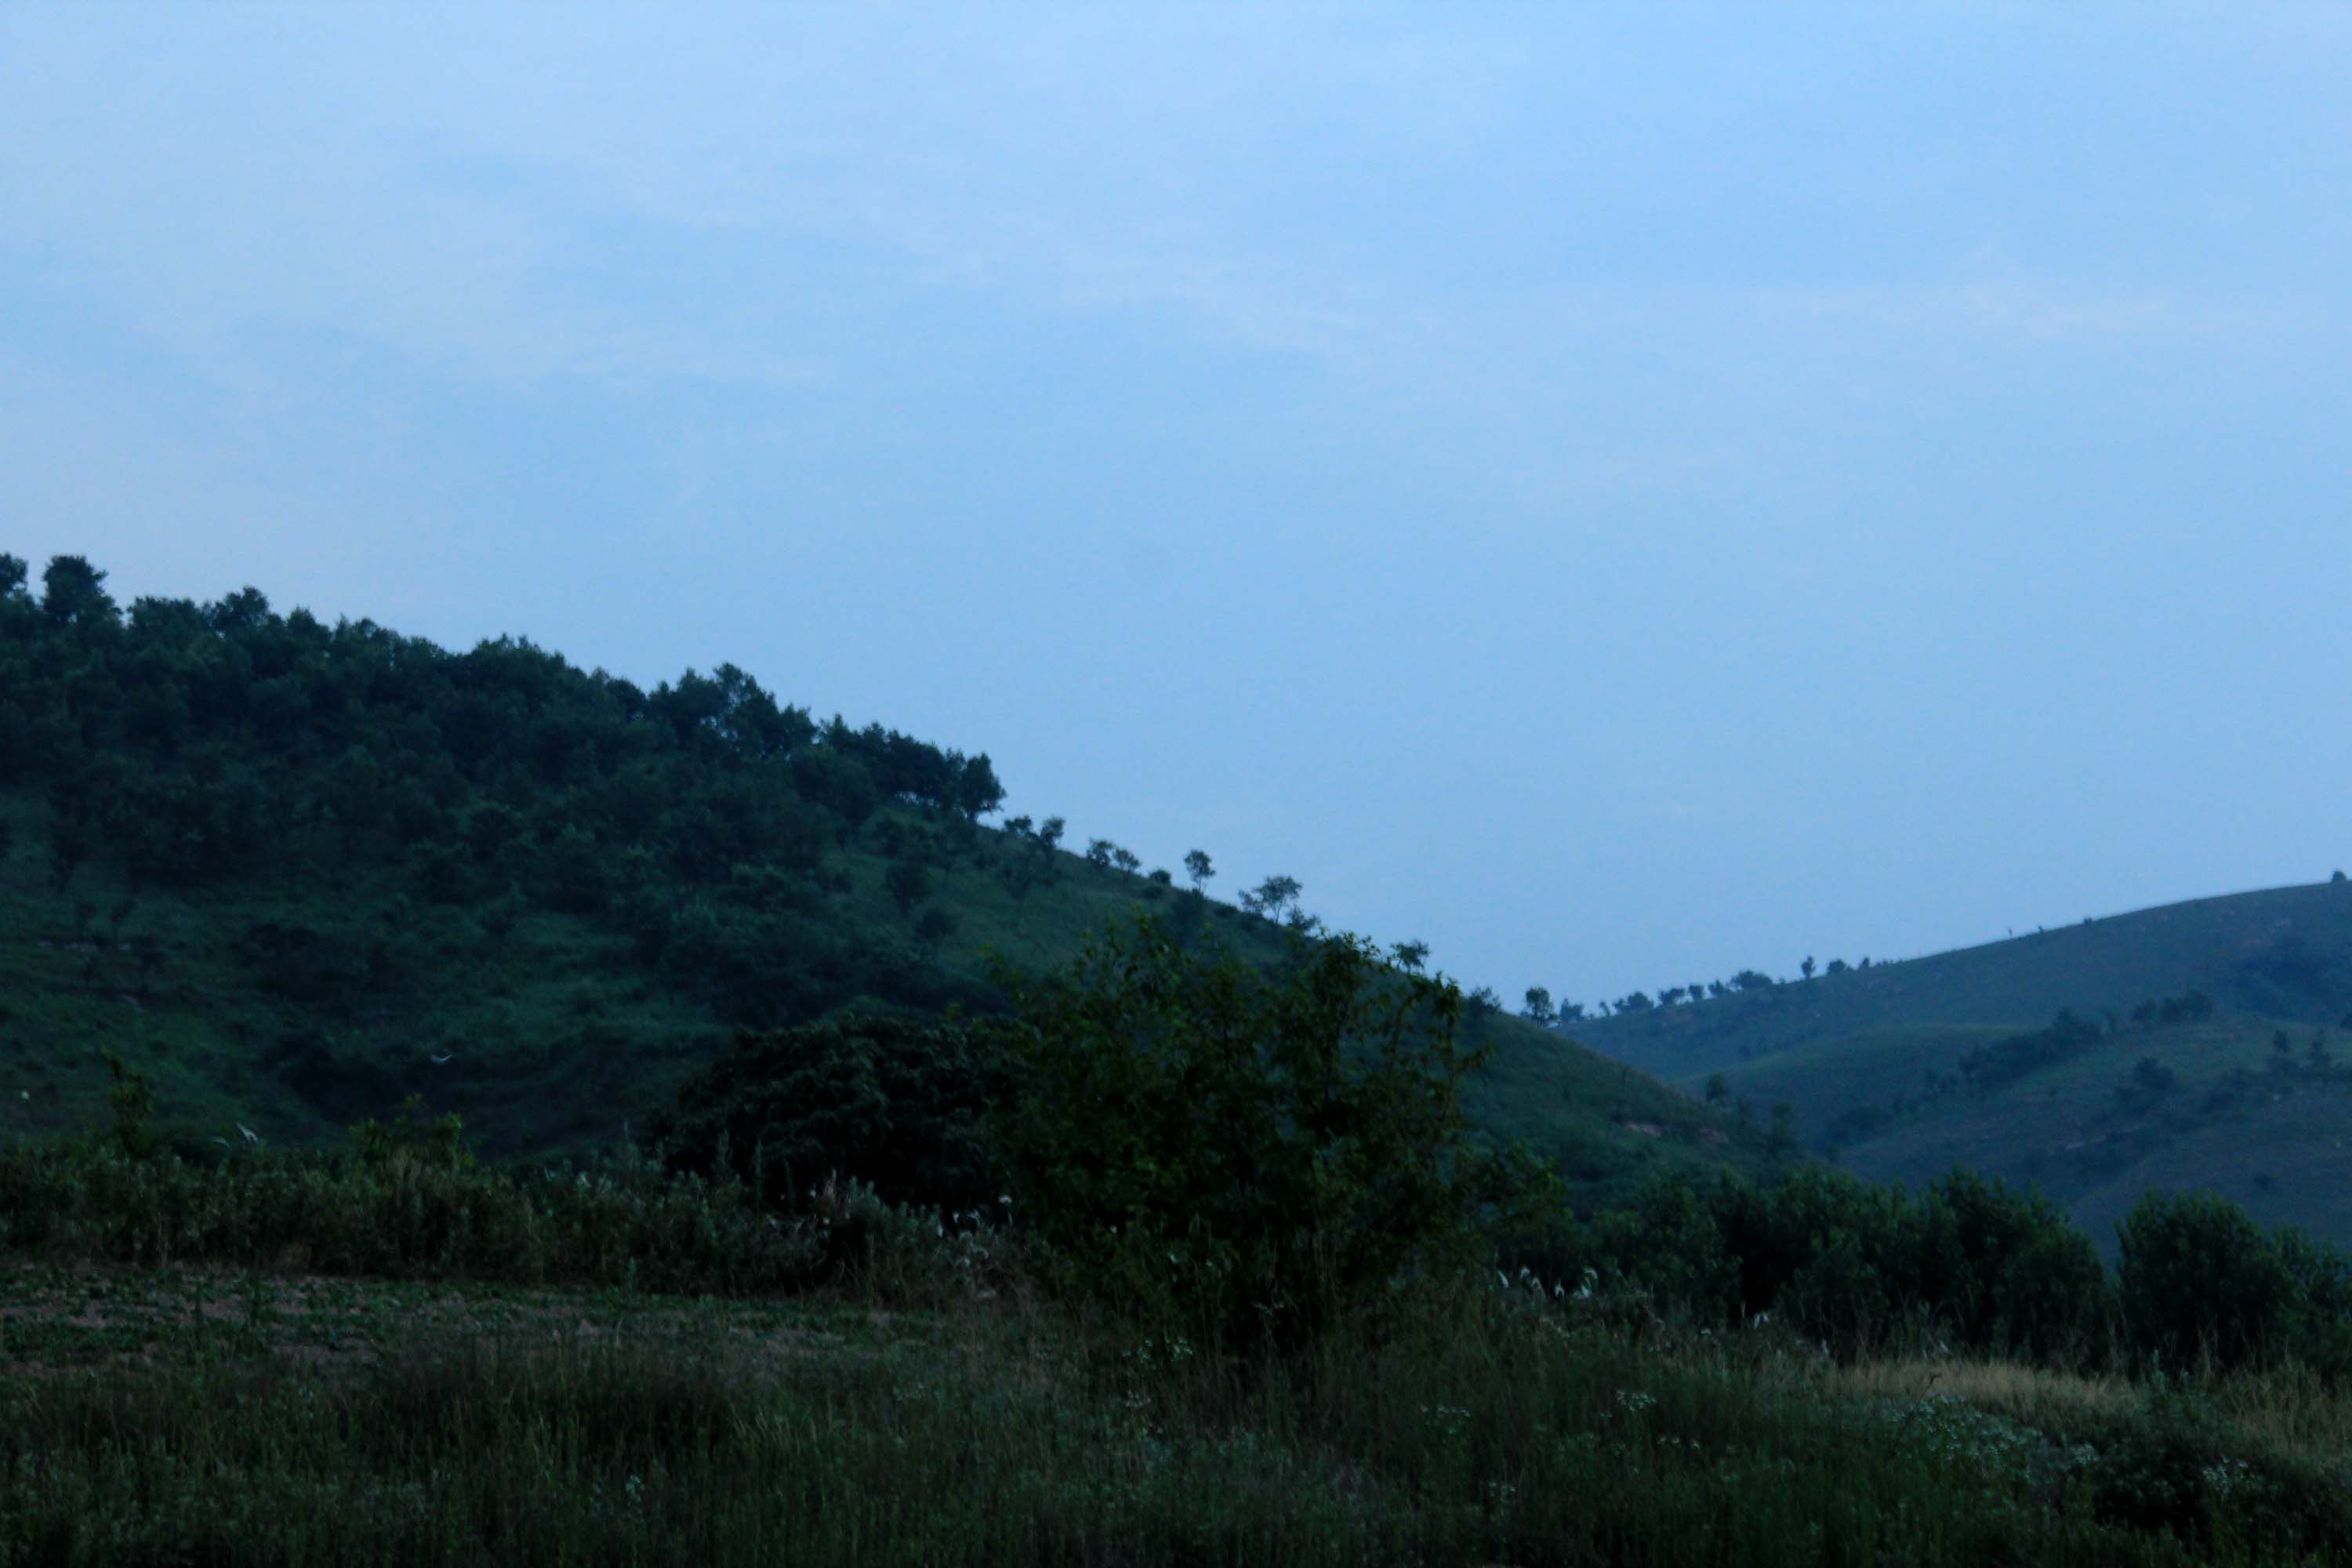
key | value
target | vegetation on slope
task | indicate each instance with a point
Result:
(2193, 1048)
(294, 873)
(2249, 1108)
(2284, 953)
(1769, 1375)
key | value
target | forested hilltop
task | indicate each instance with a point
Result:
(293, 872)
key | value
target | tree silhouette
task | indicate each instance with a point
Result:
(1197, 867)
(1275, 898)
(75, 593)
(977, 792)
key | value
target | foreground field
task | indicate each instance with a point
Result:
(169, 1417)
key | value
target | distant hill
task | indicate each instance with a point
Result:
(293, 872)
(2285, 952)
(1905, 1069)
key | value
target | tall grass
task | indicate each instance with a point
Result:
(1478, 1427)
(407, 1215)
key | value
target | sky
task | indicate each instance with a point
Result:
(1623, 494)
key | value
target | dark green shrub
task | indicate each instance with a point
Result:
(403, 1210)
(2007, 1273)
(1850, 1250)
(2051, 1302)
(894, 1103)
(1852, 1264)
(1235, 1156)
(2199, 1281)
(414, 1136)
(1670, 1242)
(2004, 1061)
(2322, 1277)
(133, 1101)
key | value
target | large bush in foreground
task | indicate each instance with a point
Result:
(1969, 1263)
(1234, 1154)
(893, 1102)
(2202, 1283)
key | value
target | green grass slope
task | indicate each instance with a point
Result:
(557, 1037)
(2239, 1105)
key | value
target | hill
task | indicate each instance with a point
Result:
(292, 873)
(2199, 1051)
(2285, 952)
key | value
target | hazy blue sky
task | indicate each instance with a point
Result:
(1623, 494)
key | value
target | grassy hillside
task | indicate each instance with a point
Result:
(2237, 1106)
(293, 874)
(2284, 953)
(557, 1037)
(1877, 1062)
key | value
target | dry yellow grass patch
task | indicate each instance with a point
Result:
(2008, 1388)
(2292, 1409)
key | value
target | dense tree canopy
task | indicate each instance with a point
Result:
(196, 744)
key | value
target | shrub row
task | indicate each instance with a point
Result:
(420, 1208)
(1975, 1266)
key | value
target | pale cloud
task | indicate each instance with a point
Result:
(2020, 309)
